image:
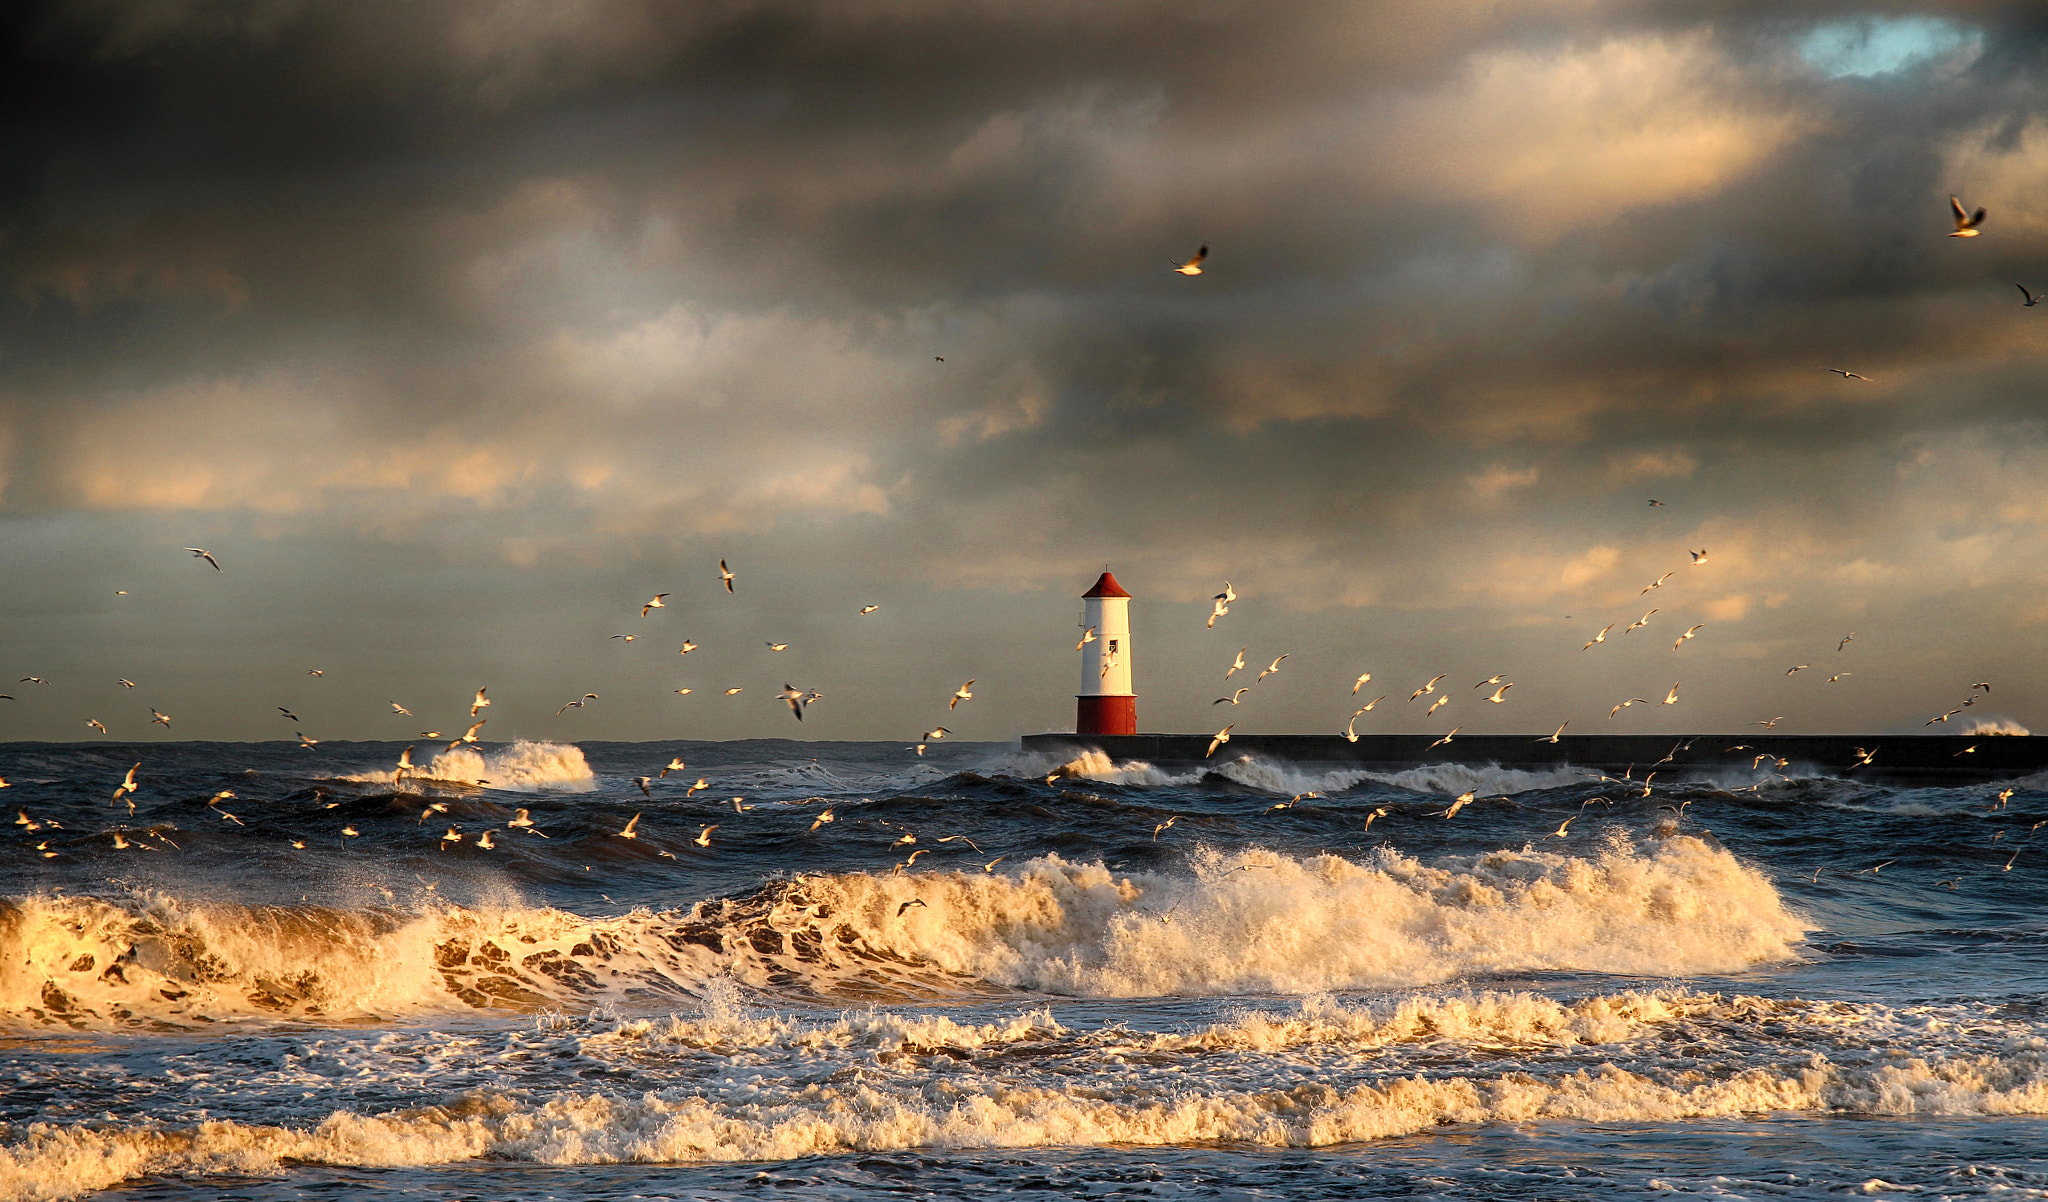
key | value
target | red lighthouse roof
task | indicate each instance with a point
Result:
(1106, 587)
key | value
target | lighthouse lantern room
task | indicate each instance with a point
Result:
(1107, 706)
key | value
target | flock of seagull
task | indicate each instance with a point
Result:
(1968, 224)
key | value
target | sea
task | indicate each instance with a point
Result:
(847, 970)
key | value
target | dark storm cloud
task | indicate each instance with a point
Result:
(527, 287)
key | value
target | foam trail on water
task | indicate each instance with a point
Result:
(921, 1085)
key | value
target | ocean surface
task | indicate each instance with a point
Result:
(996, 974)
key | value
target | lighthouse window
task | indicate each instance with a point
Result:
(1112, 646)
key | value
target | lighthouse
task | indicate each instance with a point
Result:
(1106, 705)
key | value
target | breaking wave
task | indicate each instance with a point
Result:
(523, 767)
(1248, 921)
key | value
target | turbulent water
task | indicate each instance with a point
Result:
(994, 973)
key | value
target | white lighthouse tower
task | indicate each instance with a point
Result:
(1106, 704)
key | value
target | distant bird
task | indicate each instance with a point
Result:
(1688, 634)
(1378, 812)
(438, 807)
(1699, 556)
(1848, 375)
(733, 692)
(1654, 502)
(643, 782)
(1555, 734)
(1360, 683)
(701, 785)
(95, 724)
(1438, 704)
(865, 610)
(1598, 638)
(451, 835)
(287, 713)
(823, 818)
(1941, 718)
(1624, 705)
(935, 734)
(1232, 699)
(1864, 757)
(484, 841)
(959, 695)
(1846, 640)
(1982, 684)
(1966, 221)
(2031, 299)
(315, 672)
(915, 901)
(202, 553)
(1373, 702)
(628, 637)
(577, 704)
(1965, 751)
(1838, 676)
(657, 603)
(405, 764)
(399, 709)
(1496, 678)
(1087, 637)
(686, 648)
(1238, 664)
(795, 698)
(725, 574)
(521, 821)
(1217, 610)
(127, 784)
(1771, 723)
(1559, 832)
(777, 646)
(1639, 622)
(1671, 698)
(1797, 668)
(479, 702)
(1447, 736)
(632, 827)
(683, 692)
(33, 680)
(125, 683)
(1194, 265)
(1657, 583)
(304, 741)
(1166, 825)
(156, 717)
(1350, 731)
(1499, 693)
(991, 865)
(675, 764)
(1221, 737)
(350, 832)
(703, 838)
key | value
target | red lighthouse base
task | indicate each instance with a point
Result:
(1106, 715)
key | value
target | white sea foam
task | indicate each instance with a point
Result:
(1994, 724)
(523, 767)
(912, 1081)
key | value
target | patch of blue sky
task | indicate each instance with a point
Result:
(1882, 45)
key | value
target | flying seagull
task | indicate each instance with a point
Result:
(1848, 375)
(577, 704)
(1222, 737)
(479, 702)
(1194, 265)
(1238, 663)
(725, 574)
(654, 604)
(203, 553)
(1966, 221)
(1232, 699)
(2031, 299)
(1688, 634)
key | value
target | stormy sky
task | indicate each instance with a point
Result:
(457, 331)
